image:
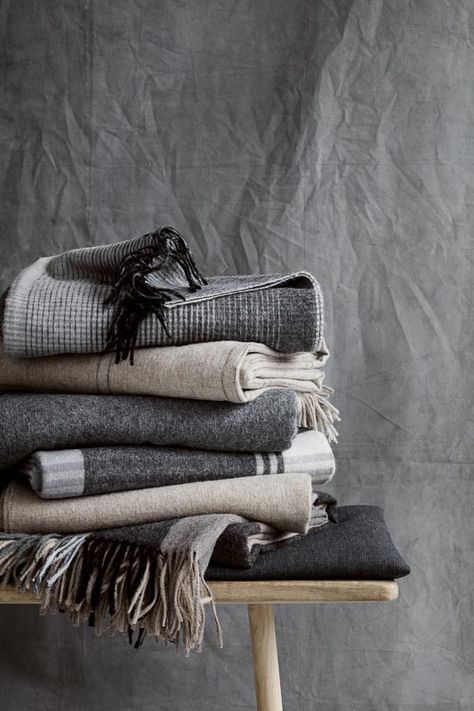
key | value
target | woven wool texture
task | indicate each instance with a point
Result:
(150, 577)
(358, 546)
(29, 422)
(285, 501)
(58, 305)
(220, 371)
(100, 470)
(224, 370)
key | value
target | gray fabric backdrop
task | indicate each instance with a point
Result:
(334, 135)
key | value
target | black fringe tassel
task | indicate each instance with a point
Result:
(135, 298)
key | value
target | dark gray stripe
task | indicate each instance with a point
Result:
(280, 463)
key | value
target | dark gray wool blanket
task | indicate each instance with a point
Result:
(101, 470)
(147, 578)
(356, 547)
(30, 422)
(148, 292)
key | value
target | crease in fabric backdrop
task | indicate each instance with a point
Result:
(329, 135)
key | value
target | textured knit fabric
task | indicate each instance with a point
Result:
(99, 470)
(30, 422)
(58, 305)
(284, 501)
(357, 547)
(224, 370)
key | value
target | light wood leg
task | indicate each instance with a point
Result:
(265, 658)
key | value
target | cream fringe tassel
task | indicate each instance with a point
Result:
(316, 412)
(113, 586)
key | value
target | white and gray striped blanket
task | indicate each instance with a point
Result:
(101, 470)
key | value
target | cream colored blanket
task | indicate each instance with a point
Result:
(225, 370)
(284, 501)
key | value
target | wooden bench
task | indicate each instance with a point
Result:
(260, 597)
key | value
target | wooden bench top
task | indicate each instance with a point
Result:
(260, 597)
(273, 592)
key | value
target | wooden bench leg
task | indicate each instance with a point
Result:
(265, 658)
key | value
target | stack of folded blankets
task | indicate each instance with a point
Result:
(159, 430)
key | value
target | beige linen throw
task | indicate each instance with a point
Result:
(284, 501)
(230, 371)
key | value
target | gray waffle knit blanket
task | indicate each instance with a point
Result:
(30, 422)
(58, 305)
(101, 470)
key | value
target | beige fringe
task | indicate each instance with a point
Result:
(318, 413)
(115, 586)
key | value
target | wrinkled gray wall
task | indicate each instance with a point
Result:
(335, 135)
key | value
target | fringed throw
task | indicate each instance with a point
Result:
(148, 292)
(112, 586)
(317, 412)
(146, 579)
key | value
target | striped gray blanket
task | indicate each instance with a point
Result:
(100, 470)
(61, 304)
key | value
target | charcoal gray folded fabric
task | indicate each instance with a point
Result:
(240, 545)
(223, 370)
(30, 422)
(100, 470)
(60, 305)
(357, 547)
